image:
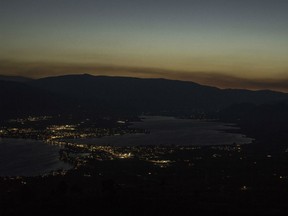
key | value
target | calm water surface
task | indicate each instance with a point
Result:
(173, 131)
(28, 158)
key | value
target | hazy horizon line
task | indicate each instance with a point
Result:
(36, 70)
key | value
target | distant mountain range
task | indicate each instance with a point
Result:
(20, 99)
(98, 94)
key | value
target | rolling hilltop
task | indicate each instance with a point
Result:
(92, 94)
(150, 95)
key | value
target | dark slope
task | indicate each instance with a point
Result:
(18, 99)
(14, 78)
(151, 95)
(89, 95)
(130, 93)
(267, 123)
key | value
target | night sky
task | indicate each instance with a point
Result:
(225, 43)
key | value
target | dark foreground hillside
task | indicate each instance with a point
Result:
(201, 181)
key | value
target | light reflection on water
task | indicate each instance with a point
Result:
(173, 131)
(30, 157)
(23, 157)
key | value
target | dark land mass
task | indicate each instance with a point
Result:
(21, 100)
(15, 78)
(85, 96)
(158, 96)
(203, 181)
(267, 123)
(146, 180)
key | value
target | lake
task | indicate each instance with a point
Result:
(174, 131)
(30, 157)
(23, 157)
